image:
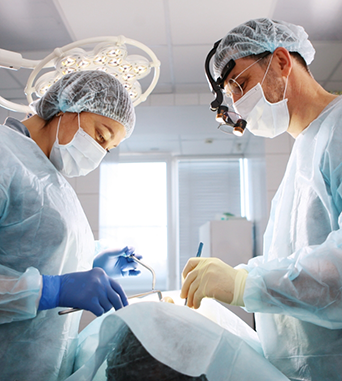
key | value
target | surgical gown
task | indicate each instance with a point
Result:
(295, 288)
(43, 230)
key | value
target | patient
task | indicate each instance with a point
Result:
(130, 361)
(163, 341)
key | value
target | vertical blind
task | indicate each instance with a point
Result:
(206, 188)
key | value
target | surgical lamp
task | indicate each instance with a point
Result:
(109, 55)
(230, 121)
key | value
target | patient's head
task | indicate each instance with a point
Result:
(130, 361)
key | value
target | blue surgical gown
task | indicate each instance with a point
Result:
(43, 230)
(295, 288)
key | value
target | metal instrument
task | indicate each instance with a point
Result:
(153, 291)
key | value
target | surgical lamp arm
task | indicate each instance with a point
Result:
(15, 61)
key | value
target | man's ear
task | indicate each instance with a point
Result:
(283, 61)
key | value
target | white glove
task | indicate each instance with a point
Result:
(212, 278)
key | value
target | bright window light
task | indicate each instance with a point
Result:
(133, 212)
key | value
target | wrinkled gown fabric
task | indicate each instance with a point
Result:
(43, 230)
(295, 287)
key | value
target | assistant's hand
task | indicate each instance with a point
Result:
(116, 263)
(91, 290)
(212, 278)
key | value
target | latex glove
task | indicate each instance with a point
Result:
(90, 290)
(212, 278)
(116, 263)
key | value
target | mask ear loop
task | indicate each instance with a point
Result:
(58, 124)
(268, 66)
(287, 81)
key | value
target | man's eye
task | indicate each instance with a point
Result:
(242, 85)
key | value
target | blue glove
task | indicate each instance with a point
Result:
(117, 263)
(91, 290)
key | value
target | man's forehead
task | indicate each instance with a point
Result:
(242, 64)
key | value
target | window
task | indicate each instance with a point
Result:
(206, 188)
(158, 206)
(133, 212)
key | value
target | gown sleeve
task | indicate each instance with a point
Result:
(19, 292)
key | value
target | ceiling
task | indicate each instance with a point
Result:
(176, 117)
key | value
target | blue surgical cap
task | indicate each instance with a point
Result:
(91, 91)
(259, 36)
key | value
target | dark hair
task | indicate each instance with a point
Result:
(129, 361)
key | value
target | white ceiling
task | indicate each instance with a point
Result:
(176, 117)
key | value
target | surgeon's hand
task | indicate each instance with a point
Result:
(212, 278)
(90, 290)
(117, 263)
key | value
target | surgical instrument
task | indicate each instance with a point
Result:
(199, 253)
(153, 291)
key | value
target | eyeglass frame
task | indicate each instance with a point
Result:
(237, 85)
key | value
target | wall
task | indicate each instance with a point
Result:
(255, 153)
(87, 189)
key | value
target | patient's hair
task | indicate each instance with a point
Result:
(130, 361)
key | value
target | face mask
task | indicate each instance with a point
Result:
(78, 157)
(263, 118)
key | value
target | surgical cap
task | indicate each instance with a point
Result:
(91, 91)
(259, 36)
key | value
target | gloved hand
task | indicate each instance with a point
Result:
(116, 263)
(212, 278)
(90, 290)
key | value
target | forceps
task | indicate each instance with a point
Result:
(153, 291)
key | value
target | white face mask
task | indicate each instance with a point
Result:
(78, 157)
(263, 118)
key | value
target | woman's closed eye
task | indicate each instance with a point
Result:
(100, 138)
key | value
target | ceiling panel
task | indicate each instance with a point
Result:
(335, 87)
(321, 19)
(328, 56)
(139, 20)
(8, 81)
(189, 63)
(204, 21)
(337, 75)
(27, 25)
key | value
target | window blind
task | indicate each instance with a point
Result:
(206, 188)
